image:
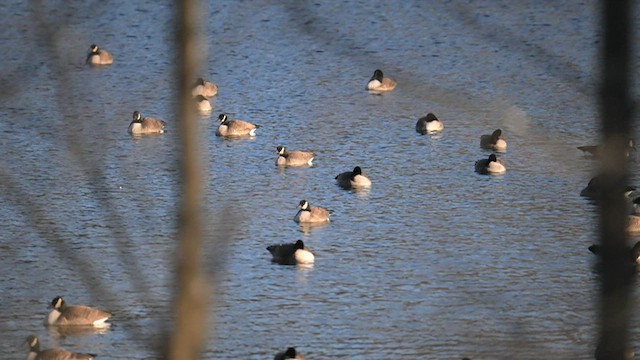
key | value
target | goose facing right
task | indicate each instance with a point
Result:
(289, 354)
(52, 354)
(494, 141)
(311, 214)
(353, 179)
(145, 125)
(235, 128)
(63, 314)
(429, 124)
(98, 56)
(291, 254)
(490, 166)
(294, 158)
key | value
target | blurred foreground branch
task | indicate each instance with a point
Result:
(615, 112)
(192, 299)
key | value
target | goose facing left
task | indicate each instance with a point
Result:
(379, 83)
(52, 354)
(145, 125)
(294, 158)
(63, 314)
(311, 214)
(235, 128)
(98, 56)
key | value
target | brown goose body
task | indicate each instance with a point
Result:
(235, 128)
(145, 125)
(204, 88)
(294, 158)
(52, 354)
(380, 83)
(99, 56)
(311, 214)
(65, 315)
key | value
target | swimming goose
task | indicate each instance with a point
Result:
(594, 150)
(289, 354)
(235, 127)
(593, 190)
(146, 125)
(490, 166)
(98, 56)
(353, 179)
(634, 252)
(294, 158)
(291, 254)
(380, 83)
(52, 354)
(429, 124)
(204, 88)
(311, 214)
(494, 141)
(63, 314)
(203, 104)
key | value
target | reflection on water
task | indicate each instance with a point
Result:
(62, 332)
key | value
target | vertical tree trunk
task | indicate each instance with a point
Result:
(615, 113)
(193, 293)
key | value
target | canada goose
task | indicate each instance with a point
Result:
(52, 354)
(494, 141)
(353, 179)
(146, 125)
(311, 214)
(593, 190)
(291, 254)
(490, 166)
(204, 88)
(289, 354)
(203, 104)
(634, 252)
(63, 314)
(98, 56)
(594, 150)
(429, 124)
(294, 158)
(380, 83)
(235, 127)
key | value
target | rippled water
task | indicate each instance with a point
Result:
(433, 262)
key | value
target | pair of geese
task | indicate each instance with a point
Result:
(67, 315)
(228, 128)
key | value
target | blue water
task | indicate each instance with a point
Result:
(433, 262)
